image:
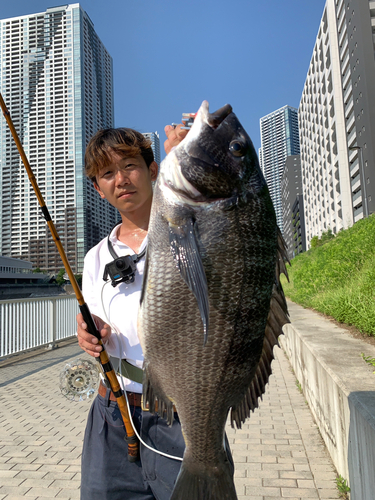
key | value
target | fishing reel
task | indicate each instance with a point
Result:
(187, 120)
(79, 380)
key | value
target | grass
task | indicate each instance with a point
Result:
(343, 487)
(338, 278)
(369, 360)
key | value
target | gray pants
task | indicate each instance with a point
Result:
(106, 472)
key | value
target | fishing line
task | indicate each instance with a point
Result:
(122, 383)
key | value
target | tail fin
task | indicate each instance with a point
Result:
(200, 482)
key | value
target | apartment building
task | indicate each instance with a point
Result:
(292, 206)
(260, 158)
(337, 119)
(56, 78)
(279, 139)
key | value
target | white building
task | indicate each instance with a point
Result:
(279, 139)
(56, 79)
(337, 119)
(260, 158)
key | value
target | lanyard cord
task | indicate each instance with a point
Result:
(122, 383)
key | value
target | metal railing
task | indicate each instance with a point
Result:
(30, 323)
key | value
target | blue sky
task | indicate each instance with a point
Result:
(170, 56)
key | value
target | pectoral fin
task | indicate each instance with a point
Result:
(186, 255)
(144, 280)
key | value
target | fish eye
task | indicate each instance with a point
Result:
(237, 148)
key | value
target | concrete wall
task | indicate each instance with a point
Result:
(340, 390)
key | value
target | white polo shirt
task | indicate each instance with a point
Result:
(120, 303)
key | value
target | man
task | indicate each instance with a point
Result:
(121, 165)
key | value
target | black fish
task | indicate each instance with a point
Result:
(212, 306)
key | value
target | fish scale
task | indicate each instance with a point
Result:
(212, 306)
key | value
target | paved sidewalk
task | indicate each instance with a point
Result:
(278, 453)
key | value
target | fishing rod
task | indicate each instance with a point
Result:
(107, 368)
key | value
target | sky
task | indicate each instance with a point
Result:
(169, 56)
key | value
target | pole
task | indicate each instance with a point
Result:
(91, 327)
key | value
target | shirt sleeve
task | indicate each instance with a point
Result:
(91, 289)
(88, 283)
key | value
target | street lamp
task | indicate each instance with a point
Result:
(362, 170)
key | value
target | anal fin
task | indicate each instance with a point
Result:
(156, 401)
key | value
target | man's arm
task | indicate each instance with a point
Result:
(86, 341)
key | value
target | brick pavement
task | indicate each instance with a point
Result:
(278, 453)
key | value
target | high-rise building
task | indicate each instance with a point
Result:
(155, 144)
(56, 79)
(260, 158)
(279, 139)
(298, 221)
(337, 119)
(292, 206)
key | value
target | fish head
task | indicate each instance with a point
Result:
(216, 160)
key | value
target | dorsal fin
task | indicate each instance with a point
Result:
(277, 317)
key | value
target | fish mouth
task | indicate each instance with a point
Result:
(192, 143)
(213, 120)
(187, 196)
(217, 117)
(191, 148)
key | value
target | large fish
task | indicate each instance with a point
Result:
(212, 306)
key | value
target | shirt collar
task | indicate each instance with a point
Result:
(122, 246)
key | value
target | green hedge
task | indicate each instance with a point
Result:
(338, 278)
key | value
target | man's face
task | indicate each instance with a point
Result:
(126, 182)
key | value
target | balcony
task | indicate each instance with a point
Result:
(354, 169)
(356, 184)
(350, 123)
(357, 199)
(352, 137)
(358, 214)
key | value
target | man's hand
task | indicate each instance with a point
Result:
(174, 136)
(89, 342)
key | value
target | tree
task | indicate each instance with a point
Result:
(314, 242)
(60, 277)
(326, 236)
(78, 277)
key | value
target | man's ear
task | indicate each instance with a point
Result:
(98, 190)
(153, 170)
